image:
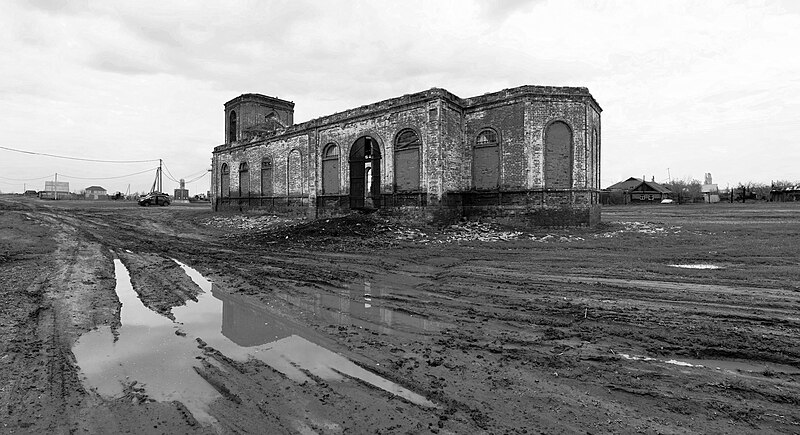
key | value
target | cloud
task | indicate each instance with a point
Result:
(122, 63)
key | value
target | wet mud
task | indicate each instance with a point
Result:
(177, 320)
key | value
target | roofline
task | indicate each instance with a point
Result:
(426, 96)
(261, 98)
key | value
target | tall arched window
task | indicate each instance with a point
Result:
(294, 174)
(266, 177)
(406, 161)
(558, 156)
(232, 127)
(225, 181)
(244, 179)
(486, 160)
(330, 170)
(595, 160)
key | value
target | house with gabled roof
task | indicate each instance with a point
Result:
(96, 192)
(636, 190)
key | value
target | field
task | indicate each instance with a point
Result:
(663, 319)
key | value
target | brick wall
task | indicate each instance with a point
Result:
(447, 127)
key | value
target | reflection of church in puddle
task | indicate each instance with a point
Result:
(243, 320)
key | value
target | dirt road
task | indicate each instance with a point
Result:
(673, 319)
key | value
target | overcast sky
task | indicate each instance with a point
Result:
(686, 87)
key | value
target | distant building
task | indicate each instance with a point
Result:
(182, 194)
(95, 192)
(55, 190)
(710, 190)
(786, 194)
(635, 191)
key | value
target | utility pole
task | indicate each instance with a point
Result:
(55, 188)
(159, 175)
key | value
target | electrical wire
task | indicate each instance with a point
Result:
(196, 173)
(169, 174)
(28, 179)
(107, 178)
(199, 177)
(77, 158)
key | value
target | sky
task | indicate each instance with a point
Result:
(686, 87)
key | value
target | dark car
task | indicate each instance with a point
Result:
(154, 198)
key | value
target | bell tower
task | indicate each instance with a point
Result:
(250, 115)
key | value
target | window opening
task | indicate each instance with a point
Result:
(486, 161)
(330, 170)
(232, 126)
(244, 179)
(225, 180)
(407, 161)
(266, 177)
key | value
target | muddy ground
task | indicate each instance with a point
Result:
(501, 330)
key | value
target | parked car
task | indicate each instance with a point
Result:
(154, 198)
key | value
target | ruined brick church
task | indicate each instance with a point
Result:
(529, 154)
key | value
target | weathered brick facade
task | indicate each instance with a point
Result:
(528, 154)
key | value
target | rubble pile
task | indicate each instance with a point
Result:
(477, 231)
(650, 228)
(567, 238)
(409, 234)
(243, 222)
(368, 230)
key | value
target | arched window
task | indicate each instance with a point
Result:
(225, 181)
(244, 180)
(558, 156)
(294, 174)
(266, 177)
(595, 160)
(232, 127)
(406, 161)
(330, 170)
(486, 160)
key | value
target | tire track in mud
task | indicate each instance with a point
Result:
(75, 295)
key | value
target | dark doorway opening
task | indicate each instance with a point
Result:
(365, 174)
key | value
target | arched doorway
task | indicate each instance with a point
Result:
(365, 173)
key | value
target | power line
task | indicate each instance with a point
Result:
(107, 178)
(29, 179)
(169, 174)
(77, 158)
(199, 177)
(196, 173)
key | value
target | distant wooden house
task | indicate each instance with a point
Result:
(635, 191)
(786, 194)
(96, 192)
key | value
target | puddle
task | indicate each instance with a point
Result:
(647, 358)
(696, 266)
(246, 329)
(363, 305)
(730, 366)
(148, 350)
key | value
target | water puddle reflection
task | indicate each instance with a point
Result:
(697, 266)
(160, 355)
(362, 305)
(249, 330)
(146, 350)
(728, 366)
